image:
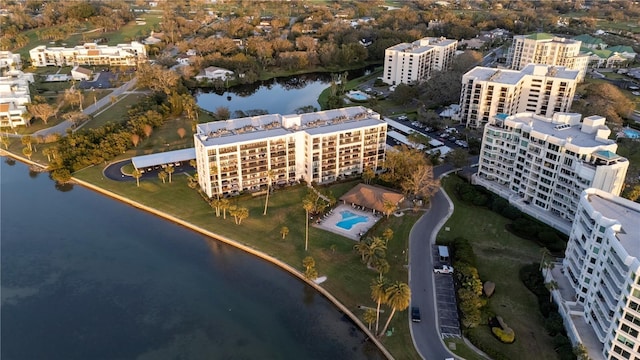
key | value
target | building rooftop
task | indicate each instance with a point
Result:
(588, 39)
(540, 36)
(264, 126)
(505, 76)
(626, 213)
(560, 130)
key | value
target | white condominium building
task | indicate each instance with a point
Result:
(409, 63)
(14, 97)
(9, 61)
(239, 154)
(538, 89)
(541, 165)
(542, 48)
(89, 54)
(603, 268)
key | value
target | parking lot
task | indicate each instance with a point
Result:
(446, 301)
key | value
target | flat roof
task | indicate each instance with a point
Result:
(140, 162)
(577, 137)
(627, 214)
(507, 76)
(403, 139)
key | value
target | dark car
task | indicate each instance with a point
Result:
(415, 314)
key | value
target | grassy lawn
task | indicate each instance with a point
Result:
(500, 255)
(115, 113)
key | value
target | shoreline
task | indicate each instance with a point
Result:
(260, 255)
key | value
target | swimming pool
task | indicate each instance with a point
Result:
(349, 219)
(357, 96)
(631, 133)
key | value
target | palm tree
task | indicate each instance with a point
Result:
(369, 317)
(233, 211)
(284, 232)
(377, 249)
(215, 203)
(362, 248)
(397, 296)
(242, 213)
(308, 262)
(544, 252)
(378, 295)
(389, 207)
(551, 286)
(224, 205)
(382, 265)
(6, 142)
(27, 152)
(170, 169)
(47, 152)
(308, 206)
(270, 175)
(387, 235)
(27, 140)
(162, 175)
(137, 174)
(581, 352)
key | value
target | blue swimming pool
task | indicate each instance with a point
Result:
(349, 219)
(631, 133)
(358, 96)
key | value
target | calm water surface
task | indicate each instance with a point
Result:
(86, 277)
(276, 96)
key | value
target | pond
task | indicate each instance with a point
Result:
(276, 96)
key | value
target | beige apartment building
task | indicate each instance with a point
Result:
(542, 165)
(538, 89)
(246, 154)
(542, 48)
(89, 54)
(409, 63)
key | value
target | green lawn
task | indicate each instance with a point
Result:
(115, 113)
(500, 255)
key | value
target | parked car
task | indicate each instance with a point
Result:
(443, 269)
(415, 314)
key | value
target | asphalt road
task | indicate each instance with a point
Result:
(425, 334)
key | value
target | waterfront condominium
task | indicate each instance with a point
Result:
(602, 273)
(14, 97)
(541, 165)
(245, 154)
(409, 63)
(89, 54)
(539, 89)
(542, 48)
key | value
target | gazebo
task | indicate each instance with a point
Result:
(371, 197)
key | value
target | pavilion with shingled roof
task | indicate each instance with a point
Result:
(371, 197)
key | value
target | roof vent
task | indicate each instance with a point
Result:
(562, 126)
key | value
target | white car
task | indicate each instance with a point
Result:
(443, 269)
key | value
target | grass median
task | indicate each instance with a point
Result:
(500, 255)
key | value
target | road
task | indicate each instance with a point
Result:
(89, 110)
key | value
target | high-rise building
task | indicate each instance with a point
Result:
(541, 165)
(542, 48)
(602, 265)
(89, 54)
(245, 154)
(409, 63)
(539, 89)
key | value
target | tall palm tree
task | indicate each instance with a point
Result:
(308, 207)
(377, 249)
(362, 248)
(378, 294)
(137, 174)
(224, 205)
(6, 142)
(308, 262)
(27, 140)
(369, 317)
(216, 203)
(170, 169)
(27, 152)
(270, 176)
(47, 152)
(382, 266)
(162, 175)
(397, 296)
(544, 252)
(233, 211)
(284, 232)
(242, 213)
(387, 235)
(551, 285)
(389, 207)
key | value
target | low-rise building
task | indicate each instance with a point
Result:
(215, 73)
(89, 54)
(9, 61)
(80, 73)
(247, 154)
(409, 63)
(599, 295)
(539, 89)
(14, 97)
(541, 165)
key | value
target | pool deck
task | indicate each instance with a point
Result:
(329, 222)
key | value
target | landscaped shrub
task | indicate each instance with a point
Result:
(489, 287)
(505, 336)
(553, 324)
(463, 252)
(493, 353)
